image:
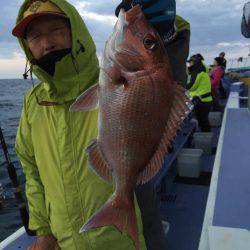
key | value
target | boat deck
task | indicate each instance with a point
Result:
(183, 203)
(188, 204)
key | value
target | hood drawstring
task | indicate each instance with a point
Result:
(75, 64)
(26, 71)
(81, 49)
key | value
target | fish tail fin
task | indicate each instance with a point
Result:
(116, 213)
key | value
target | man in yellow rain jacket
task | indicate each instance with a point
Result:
(199, 87)
(62, 191)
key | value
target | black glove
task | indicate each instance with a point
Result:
(196, 100)
(160, 13)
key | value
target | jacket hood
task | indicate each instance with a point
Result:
(76, 71)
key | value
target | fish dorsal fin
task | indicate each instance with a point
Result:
(87, 101)
(181, 106)
(97, 161)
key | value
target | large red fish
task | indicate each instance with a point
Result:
(141, 108)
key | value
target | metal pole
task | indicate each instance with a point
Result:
(18, 191)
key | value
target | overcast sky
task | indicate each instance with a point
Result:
(215, 27)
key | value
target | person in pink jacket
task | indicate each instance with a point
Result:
(215, 76)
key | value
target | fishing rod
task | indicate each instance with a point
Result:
(18, 191)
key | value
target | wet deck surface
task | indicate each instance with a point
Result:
(183, 203)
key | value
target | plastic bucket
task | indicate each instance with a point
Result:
(204, 141)
(166, 227)
(189, 162)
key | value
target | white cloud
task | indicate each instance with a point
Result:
(108, 19)
(215, 26)
(83, 5)
(83, 8)
(233, 44)
(12, 67)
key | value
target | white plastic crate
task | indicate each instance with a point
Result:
(204, 141)
(189, 162)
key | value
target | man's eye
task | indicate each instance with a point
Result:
(57, 28)
(34, 37)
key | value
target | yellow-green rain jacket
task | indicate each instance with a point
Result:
(181, 24)
(62, 191)
(201, 86)
(206, 67)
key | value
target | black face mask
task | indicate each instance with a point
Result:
(48, 62)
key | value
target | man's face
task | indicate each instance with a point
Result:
(46, 34)
(190, 64)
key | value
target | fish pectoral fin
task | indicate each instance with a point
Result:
(87, 101)
(180, 108)
(98, 162)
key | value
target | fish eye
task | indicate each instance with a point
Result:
(149, 42)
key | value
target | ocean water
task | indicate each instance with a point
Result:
(11, 99)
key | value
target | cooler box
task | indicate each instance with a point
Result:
(204, 141)
(189, 162)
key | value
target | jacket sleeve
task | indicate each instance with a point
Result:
(38, 218)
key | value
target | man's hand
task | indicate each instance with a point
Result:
(196, 100)
(46, 242)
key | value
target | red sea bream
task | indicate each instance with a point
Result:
(140, 110)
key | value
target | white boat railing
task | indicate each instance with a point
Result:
(212, 237)
(4, 244)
